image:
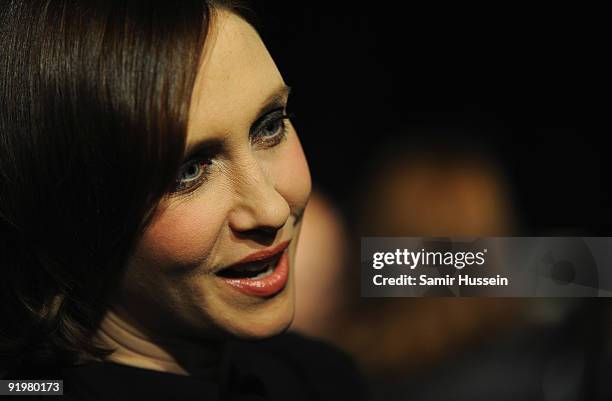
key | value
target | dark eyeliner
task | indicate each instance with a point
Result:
(266, 118)
(272, 117)
(195, 184)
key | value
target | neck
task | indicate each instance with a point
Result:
(134, 347)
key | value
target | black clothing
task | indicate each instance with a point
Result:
(288, 367)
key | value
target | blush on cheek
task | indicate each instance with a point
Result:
(181, 236)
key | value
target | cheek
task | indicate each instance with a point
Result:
(182, 236)
(292, 175)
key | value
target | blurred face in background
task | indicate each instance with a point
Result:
(217, 257)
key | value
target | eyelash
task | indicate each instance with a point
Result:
(276, 116)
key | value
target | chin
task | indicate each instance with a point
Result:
(271, 318)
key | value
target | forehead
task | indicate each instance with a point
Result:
(236, 76)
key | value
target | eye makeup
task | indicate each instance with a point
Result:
(267, 131)
(192, 174)
(197, 166)
(270, 129)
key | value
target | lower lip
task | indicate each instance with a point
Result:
(267, 286)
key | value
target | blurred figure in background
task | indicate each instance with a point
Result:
(429, 189)
(412, 191)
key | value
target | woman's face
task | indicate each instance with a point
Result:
(242, 189)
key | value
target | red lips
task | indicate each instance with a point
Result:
(271, 283)
(264, 254)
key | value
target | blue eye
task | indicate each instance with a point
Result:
(191, 174)
(271, 129)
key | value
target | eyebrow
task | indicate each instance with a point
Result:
(212, 146)
(275, 100)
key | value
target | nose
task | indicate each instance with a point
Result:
(258, 206)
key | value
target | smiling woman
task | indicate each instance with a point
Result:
(152, 191)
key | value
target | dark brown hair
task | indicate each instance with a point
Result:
(94, 101)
